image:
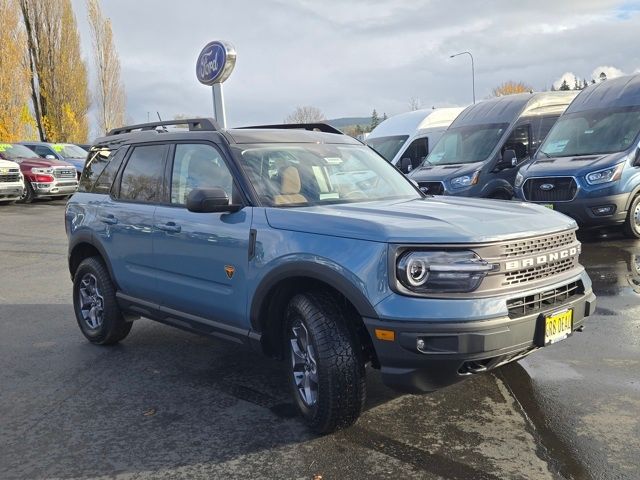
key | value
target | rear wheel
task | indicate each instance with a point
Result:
(632, 223)
(94, 302)
(27, 194)
(326, 368)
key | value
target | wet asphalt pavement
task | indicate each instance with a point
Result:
(168, 404)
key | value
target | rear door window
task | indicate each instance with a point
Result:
(143, 176)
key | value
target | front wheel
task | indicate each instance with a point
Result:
(325, 365)
(632, 223)
(27, 194)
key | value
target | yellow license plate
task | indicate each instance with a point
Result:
(548, 205)
(558, 326)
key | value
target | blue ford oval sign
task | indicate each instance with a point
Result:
(215, 62)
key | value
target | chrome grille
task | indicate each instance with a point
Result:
(561, 189)
(540, 244)
(556, 297)
(431, 188)
(64, 173)
(543, 271)
(12, 175)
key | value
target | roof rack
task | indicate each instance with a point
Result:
(194, 124)
(314, 127)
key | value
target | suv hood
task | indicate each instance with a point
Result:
(433, 173)
(428, 220)
(570, 166)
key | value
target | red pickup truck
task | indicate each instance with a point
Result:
(43, 177)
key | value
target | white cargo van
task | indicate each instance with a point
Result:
(411, 135)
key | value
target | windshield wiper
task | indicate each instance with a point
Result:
(545, 154)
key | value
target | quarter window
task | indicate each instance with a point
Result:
(198, 166)
(142, 179)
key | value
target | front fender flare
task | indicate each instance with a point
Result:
(315, 271)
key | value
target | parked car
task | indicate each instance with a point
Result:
(43, 177)
(11, 180)
(65, 152)
(477, 155)
(410, 135)
(247, 235)
(589, 165)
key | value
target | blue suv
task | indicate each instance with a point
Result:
(305, 244)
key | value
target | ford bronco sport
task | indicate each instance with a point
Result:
(310, 247)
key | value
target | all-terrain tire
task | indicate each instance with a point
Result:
(341, 385)
(113, 327)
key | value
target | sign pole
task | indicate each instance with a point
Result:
(214, 65)
(218, 105)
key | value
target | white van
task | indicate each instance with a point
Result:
(411, 135)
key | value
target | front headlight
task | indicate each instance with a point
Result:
(45, 171)
(519, 180)
(441, 271)
(605, 175)
(465, 180)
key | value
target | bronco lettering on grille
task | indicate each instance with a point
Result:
(542, 259)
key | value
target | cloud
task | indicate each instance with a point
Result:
(569, 77)
(610, 72)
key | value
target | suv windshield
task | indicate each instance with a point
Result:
(317, 174)
(69, 150)
(388, 147)
(592, 132)
(10, 151)
(470, 144)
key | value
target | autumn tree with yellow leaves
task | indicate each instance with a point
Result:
(511, 88)
(109, 93)
(15, 119)
(58, 76)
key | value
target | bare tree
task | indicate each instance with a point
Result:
(414, 104)
(305, 114)
(510, 88)
(109, 94)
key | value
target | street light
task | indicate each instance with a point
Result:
(473, 73)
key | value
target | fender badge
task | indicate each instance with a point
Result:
(229, 270)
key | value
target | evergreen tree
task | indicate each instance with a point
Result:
(565, 86)
(585, 84)
(375, 121)
(384, 116)
(576, 85)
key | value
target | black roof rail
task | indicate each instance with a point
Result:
(194, 124)
(314, 127)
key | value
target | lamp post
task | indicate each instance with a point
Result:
(473, 73)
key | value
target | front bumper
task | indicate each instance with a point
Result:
(581, 209)
(11, 191)
(52, 189)
(455, 350)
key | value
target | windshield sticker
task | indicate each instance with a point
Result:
(333, 160)
(58, 148)
(557, 147)
(5, 146)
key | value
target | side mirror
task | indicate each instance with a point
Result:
(405, 165)
(210, 200)
(508, 160)
(50, 157)
(636, 160)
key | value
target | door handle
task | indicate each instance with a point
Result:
(170, 227)
(108, 219)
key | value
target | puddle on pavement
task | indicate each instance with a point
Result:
(613, 263)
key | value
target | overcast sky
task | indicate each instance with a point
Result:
(350, 56)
